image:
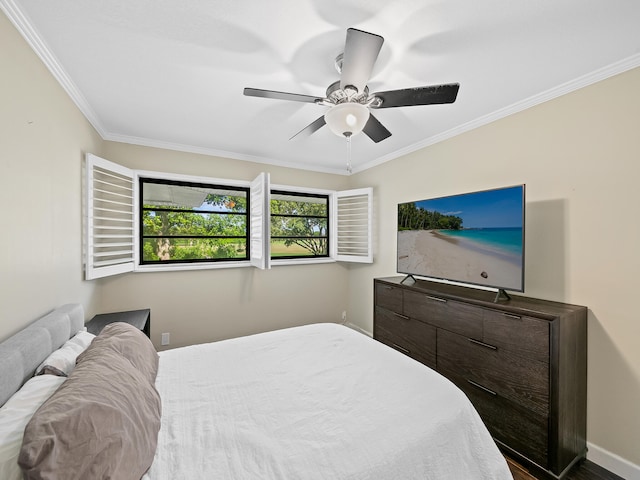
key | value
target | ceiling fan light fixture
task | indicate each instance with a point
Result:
(347, 119)
(349, 100)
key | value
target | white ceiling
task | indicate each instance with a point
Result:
(171, 74)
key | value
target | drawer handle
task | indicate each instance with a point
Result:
(515, 317)
(401, 349)
(482, 344)
(404, 317)
(441, 300)
(477, 385)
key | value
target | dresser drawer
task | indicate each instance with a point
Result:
(519, 428)
(524, 381)
(412, 337)
(448, 314)
(526, 335)
(424, 307)
(388, 297)
(463, 319)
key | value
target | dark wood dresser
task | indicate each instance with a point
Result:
(522, 362)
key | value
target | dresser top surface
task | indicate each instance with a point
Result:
(518, 304)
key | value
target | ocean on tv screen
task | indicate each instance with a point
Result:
(472, 238)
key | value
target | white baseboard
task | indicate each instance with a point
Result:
(612, 462)
(357, 328)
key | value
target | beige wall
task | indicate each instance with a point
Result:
(579, 156)
(199, 306)
(42, 139)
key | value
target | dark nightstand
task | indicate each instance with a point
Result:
(138, 318)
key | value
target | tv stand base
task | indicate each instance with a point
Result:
(502, 296)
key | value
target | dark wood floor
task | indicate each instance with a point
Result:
(586, 470)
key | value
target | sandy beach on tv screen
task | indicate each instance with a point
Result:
(427, 253)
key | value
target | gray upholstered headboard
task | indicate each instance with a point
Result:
(21, 354)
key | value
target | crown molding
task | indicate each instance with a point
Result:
(40, 47)
(211, 152)
(568, 87)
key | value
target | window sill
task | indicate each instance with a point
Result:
(190, 266)
(216, 266)
(301, 261)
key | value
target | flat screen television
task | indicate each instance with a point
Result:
(474, 238)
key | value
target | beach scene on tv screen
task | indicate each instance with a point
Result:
(471, 238)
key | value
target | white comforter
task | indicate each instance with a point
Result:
(314, 402)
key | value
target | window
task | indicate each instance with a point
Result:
(150, 221)
(299, 225)
(192, 222)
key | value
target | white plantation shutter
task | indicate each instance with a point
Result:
(109, 229)
(260, 213)
(353, 225)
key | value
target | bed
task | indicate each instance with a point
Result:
(319, 401)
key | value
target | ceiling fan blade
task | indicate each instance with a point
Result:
(408, 97)
(295, 97)
(375, 130)
(360, 53)
(311, 128)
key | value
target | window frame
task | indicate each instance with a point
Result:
(300, 192)
(296, 190)
(140, 240)
(168, 267)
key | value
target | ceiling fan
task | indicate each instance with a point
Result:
(349, 99)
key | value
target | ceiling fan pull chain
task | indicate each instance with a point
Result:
(348, 135)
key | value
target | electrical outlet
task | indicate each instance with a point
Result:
(166, 339)
(344, 316)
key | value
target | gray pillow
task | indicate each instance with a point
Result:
(103, 422)
(132, 344)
